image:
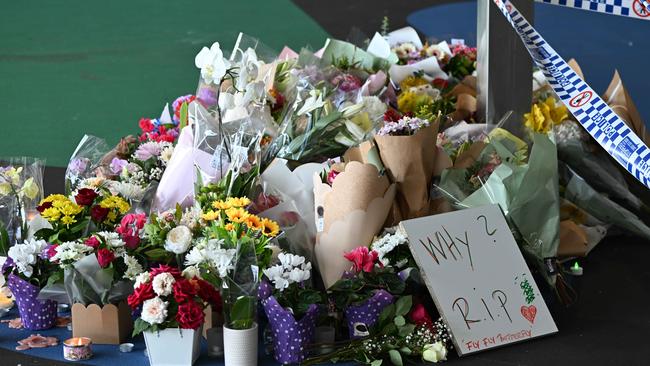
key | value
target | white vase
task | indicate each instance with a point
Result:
(173, 347)
(240, 346)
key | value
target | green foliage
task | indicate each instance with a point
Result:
(4, 240)
(242, 313)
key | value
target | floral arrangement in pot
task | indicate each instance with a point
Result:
(235, 247)
(290, 305)
(171, 306)
(27, 270)
(365, 290)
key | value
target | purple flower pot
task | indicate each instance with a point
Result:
(290, 337)
(362, 317)
(35, 314)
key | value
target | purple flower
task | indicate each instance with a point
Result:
(78, 166)
(117, 165)
(207, 96)
(147, 151)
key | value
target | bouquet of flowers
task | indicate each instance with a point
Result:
(21, 187)
(27, 270)
(291, 304)
(171, 234)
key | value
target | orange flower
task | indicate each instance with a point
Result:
(237, 215)
(271, 228)
(221, 205)
(229, 227)
(254, 223)
(210, 216)
(238, 202)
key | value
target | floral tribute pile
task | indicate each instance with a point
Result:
(279, 185)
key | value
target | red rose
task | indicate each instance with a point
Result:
(44, 207)
(362, 259)
(85, 197)
(419, 315)
(92, 242)
(131, 242)
(98, 213)
(105, 257)
(165, 268)
(183, 291)
(190, 315)
(140, 294)
(209, 294)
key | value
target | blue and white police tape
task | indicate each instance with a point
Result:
(639, 9)
(589, 109)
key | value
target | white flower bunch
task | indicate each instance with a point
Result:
(112, 239)
(163, 284)
(386, 244)
(69, 252)
(154, 311)
(210, 254)
(133, 268)
(26, 254)
(292, 269)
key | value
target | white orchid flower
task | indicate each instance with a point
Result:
(212, 64)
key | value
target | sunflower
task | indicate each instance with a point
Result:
(210, 216)
(271, 228)
(254, 222)
(221, 205)
(237, 215)
(238, 202)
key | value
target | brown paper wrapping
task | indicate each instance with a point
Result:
(465, 94)
(573, 240)
(409, 162)
(109, 324)
(353, 211)
(621, 102)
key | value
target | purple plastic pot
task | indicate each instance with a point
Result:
(290, 337)
(35, 314)
(362, 317)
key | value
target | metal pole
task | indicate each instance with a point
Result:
(504, 66)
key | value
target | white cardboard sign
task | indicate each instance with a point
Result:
(478, 279)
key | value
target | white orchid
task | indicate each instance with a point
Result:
(212, 64)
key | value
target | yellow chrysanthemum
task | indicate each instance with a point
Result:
(271, 228)
(116, 202)
(412, 81)
(229, 227)
(237, 215)
(238, 201)
(51, 214)
(53, 198)
(221, 205)
(68, 220)
(210, 216)
(69, 208)
(409, 101)
(254, 222)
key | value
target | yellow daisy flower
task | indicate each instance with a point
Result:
(221, 205)
(238, 202)
(237, 215)
(210, 216)
(51, 214)
(254, 222)
(271, 228)
(229, 227)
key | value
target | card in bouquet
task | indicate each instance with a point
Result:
(478, 279)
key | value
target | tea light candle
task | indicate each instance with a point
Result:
(576, 270)
(77, 349)
(126, 347)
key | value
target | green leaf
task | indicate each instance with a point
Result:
(242, 312)
(157, 254)
(395, 357)
(399, 321)
(183, 115)
(140, 326)
(405, 350)
(406, 330)
(4, 240)
(376, 363)
(387, 313)
(403, 305)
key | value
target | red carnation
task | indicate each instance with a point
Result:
(163, 268)
(140, 294)
(183, 290)
(146, 125)
(98, 213)
(92, 242)
(85, 197)
(190, 315)
(105, 257)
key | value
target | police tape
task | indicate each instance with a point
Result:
(587, 107)
(639, 9)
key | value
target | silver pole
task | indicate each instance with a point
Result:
(504, 66)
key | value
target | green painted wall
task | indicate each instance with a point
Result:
(87, 66)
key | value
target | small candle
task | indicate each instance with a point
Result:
(576, 270)
(126, 347)
(77, 349)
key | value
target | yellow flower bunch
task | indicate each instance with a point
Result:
(544, 115)
(411, 101)
(412, 81)
(116, 205)
(59, 208)
(234, 217)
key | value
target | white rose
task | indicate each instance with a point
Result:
(191, 272)
(163, 283)
(154, 311)
(142, 278)
(178, 240)
(435, 352)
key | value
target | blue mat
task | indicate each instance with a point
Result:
(601, 43)
(104, 355)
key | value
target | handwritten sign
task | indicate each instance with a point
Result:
(478, 278)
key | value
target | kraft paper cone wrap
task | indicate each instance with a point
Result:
(410, 161)
(354, 209)
(618, 98)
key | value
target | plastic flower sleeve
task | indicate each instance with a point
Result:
(91, 154)
(239, 288)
